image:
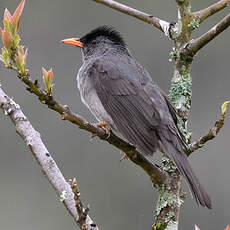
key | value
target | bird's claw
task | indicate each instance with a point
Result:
(124, 157)
(103, 125)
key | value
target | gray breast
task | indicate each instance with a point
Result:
(89, 96)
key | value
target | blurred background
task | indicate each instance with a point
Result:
(120, 195)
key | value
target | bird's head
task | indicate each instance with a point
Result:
(98, 41)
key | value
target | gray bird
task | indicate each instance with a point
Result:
(120, 93)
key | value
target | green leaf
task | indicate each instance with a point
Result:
(6, 57)
(2, 59)
(224, 108)
(17, 40)
(6, 24)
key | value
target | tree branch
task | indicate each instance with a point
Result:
(158, 23)
(157, 175)
(82, 212)
(209, 136)
(182, 33)
(209, 11)
(195, 45)
(48, 166)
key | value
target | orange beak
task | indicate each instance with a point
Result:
(73, 41)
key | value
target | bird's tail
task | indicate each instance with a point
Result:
(181, 160)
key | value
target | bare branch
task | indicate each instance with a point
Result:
(209, 11)
(82, 212)
(209, 136)
(158, 23)
(182, 32)
(48, 166)
(195, 45)
(157, 175)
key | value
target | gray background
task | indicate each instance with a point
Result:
(120, 194)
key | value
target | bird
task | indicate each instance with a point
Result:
(121, 94)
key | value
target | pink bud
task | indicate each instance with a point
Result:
(20, 59)
(7, 15)
(20, 55)
(17, 60)
(45, 73)
(50, 75)
(6, 39)
(25, 55)
(48, 78)
(21, 50)
(17, 14)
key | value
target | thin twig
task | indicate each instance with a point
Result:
(195, 45)
(209, 136)
(158, 23)
(48, 166)
(81, 210)
(157, 175)
(209, 11)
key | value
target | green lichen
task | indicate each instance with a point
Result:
(174, 31)
(172, 225)
(170, 214)
(168, 165)
(173, 55)
(182, 125)
(160, 226)
(165, 198)
(162, 199)
(194, 24)
(184, 70)
(181, 90)
(180, 94)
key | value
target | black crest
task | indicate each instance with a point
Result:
(105, 31)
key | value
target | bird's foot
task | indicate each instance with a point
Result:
(103, 125)
(124, 157)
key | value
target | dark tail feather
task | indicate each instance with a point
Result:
(184, 167)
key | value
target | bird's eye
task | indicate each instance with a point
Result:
(94, 42)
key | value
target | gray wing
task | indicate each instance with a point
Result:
(143, 115)
(134, 113)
